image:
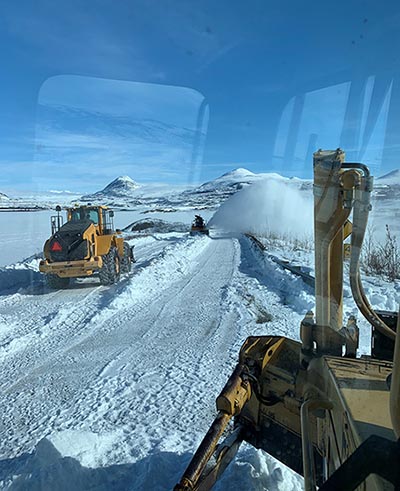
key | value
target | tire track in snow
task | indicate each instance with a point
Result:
(42, 386)
(154, 382)
(51, 322)
(180, 359)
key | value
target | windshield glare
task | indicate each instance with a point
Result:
(195, 125)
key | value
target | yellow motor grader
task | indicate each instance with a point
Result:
(329, 415)
(83, 246)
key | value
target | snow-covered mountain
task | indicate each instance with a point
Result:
(124, 192)
(239, 178)
(387, 188)
(214, 192)
(235, 179)
(21, 203)
(121, 187)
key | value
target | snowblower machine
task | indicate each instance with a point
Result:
(199, 226)
(314, 405)
(83, 246)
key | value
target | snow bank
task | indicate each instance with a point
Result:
(256, 470)
(20, 275)
(270, 206)
(90, 449)
(155, 225)
(291, 288)
(46, 469)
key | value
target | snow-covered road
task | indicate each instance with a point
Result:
(123, 379)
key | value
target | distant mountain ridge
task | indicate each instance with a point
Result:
(127, 194)
(123, 191)
(235, 178)
(392, 178)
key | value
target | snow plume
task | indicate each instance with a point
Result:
(267, 207)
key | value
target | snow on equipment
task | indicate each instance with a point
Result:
(328, 415)
(86, 244)
(199, 226)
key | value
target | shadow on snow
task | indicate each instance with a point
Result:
(45, 469)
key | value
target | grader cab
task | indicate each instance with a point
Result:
(83, 246)
(329, 415)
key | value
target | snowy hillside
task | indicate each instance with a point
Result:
(123, 192)
(121, 187)
(390, 179)
(38, 200)
(218, 190)
(236, 179)
(153, 225)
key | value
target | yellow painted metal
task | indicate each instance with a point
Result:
(100, 241)
(329, 219)
(71, 269)
(347, 229)
(395, 385)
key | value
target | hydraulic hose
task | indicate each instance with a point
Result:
(360, 219)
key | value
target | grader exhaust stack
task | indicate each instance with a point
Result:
(328, 415)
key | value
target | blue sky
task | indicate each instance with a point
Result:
(183, 91)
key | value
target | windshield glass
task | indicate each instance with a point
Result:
(85, 214)
(175, 116)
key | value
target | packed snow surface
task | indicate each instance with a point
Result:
(121, 381)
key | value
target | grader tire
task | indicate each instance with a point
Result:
(111, 270)
(55, 282)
